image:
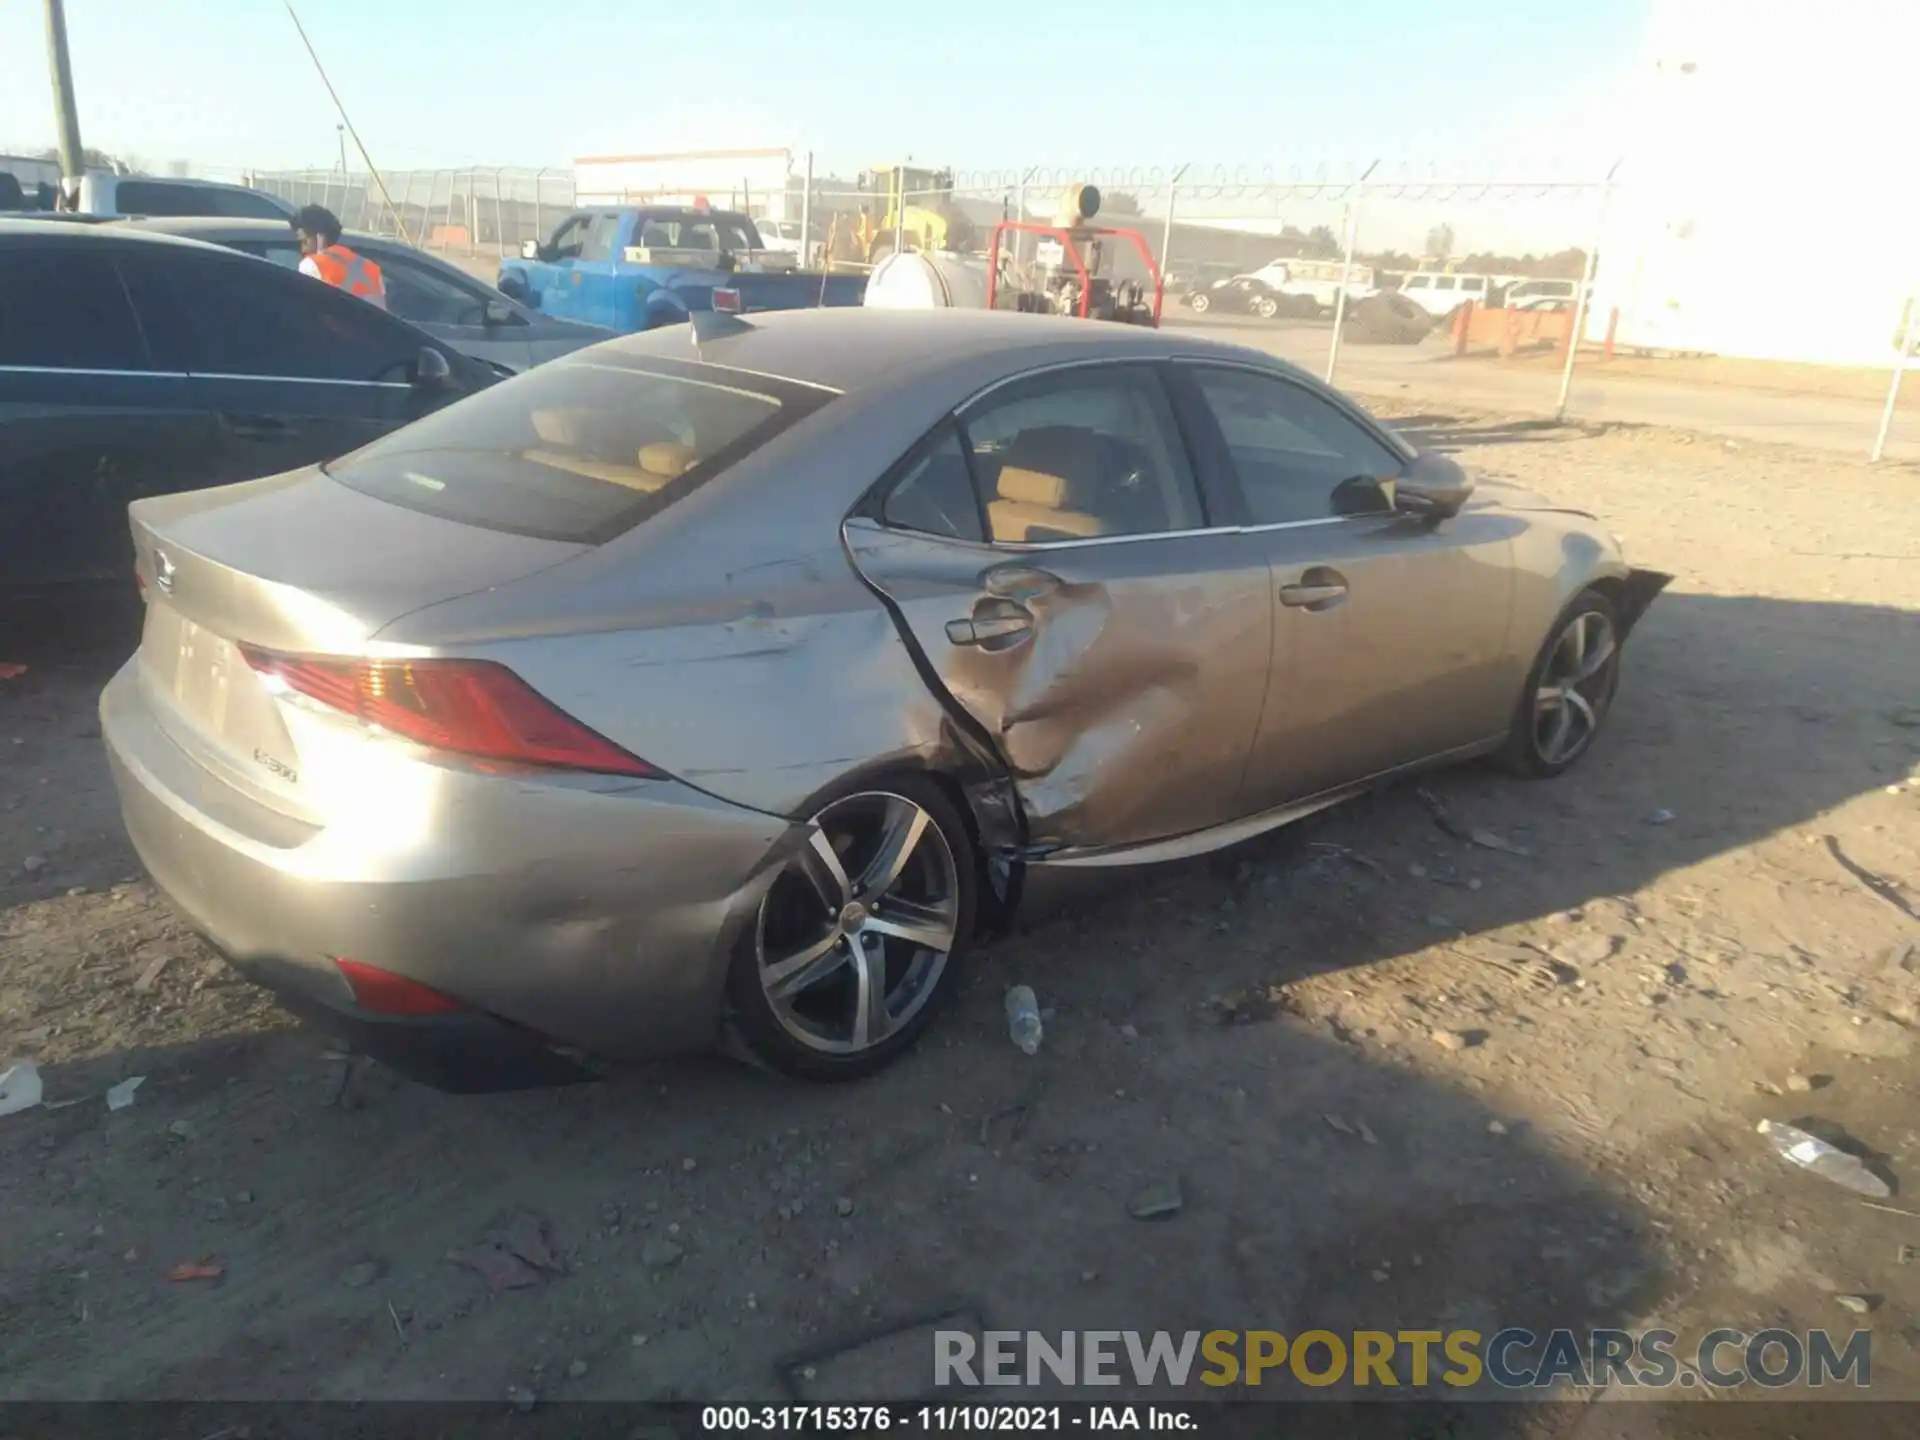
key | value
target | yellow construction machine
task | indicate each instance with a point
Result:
(899, 206)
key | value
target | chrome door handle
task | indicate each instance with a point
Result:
(988, 628)
(1311, 597)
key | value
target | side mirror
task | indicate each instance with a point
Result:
(496, 315)
(530, 250)
(1433, 485)
(431, 370)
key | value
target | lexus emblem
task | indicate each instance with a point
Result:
(163, 572)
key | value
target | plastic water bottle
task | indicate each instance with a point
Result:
(1813, 1154)
(1023, 1018)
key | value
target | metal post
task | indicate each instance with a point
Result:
(1020, 207)
(1346, 266)
(66, 112)
(1584, 298)
(446, 223)
(899, 186)
(499, 217)
(406, 200)
(341, 131)
(1166, 234)
(1907, 337)
(806, 215)
(539, 230)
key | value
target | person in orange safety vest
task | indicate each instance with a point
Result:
(326, 259)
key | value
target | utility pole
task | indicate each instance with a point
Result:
(72, 157)
(341, 131)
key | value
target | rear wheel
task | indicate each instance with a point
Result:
(1569, 690)
(856, 943)
(1265, 307)
(1199, 303)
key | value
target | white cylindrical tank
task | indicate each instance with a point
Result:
(936, 280)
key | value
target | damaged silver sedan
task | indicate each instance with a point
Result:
(746, 673)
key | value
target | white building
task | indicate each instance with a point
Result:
(755, 180)
(1768, 204)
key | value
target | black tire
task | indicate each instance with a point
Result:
(1199, 303)
(1266, 307)
(1524, 753)
(753, 1011)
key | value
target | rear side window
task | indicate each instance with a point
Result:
(65, 309)
(157, 197)
(935, 496)
(234, 316)
(578, 450)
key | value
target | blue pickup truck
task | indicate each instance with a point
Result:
(639, 267)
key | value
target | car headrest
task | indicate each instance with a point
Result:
(561, 426)
(1033, 487)
(668, 457)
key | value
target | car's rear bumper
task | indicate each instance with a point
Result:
(593, 915)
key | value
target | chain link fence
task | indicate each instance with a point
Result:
(472, 212)
(1489, 291)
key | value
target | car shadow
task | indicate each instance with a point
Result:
(1738, 718)
(976, 1180)
(1451, 433)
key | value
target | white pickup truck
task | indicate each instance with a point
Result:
(1317, 280)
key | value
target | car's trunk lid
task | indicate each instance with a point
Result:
(294, 563)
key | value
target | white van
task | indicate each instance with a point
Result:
(1444, 294)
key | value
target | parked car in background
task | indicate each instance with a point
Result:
(661, 684)
(1541, 295)
(1440, 295)
(443, 300)
(639, 267)
(1245, 295)
(134, 365)
(781, 236)
(1317, 282)
(107, 194)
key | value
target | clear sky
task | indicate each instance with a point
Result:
(1472, 84)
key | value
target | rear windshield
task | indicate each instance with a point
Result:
(578, 450)
(705, 232)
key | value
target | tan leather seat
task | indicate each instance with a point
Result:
(1045, 471)
(566, 432)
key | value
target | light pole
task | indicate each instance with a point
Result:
(341, 131)
(66, 113)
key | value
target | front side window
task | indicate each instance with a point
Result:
(577, 450)
(1473, 282)
(1444, 282)
(1295, 455)
(64, 309)
(598, 244)
(228, 316)
(568, 239)
(424, 296)
(1082, 455)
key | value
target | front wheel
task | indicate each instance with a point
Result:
(1200, 304)
(1569, 691)
(857, 942)
(1265, 308)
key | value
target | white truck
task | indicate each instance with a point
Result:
(111, 195)
(1317, 281)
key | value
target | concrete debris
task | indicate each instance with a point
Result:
(359, 1276)
(658, 1254)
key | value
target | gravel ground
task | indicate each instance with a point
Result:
(1404, 1080)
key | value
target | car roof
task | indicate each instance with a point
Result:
(105, 232)
(235, 230)
(849, 348)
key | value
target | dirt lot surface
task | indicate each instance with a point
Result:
(1404, 1079)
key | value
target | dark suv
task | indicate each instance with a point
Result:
(135, 365)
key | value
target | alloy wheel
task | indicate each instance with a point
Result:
(1575, 689)
(855, 933)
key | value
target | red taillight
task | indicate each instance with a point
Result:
(467, 707)
(726, 301)
(385, 993)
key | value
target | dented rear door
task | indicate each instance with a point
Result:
(1121, 683)
(1119, 674)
